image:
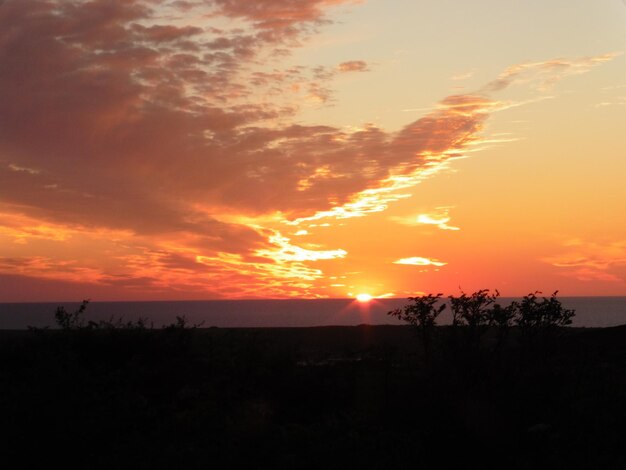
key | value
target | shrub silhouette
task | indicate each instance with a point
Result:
(422, 314)
(538, 320)
(471, 310)
(536, 315)
(74, 320)
(473, 313)
(501, 319)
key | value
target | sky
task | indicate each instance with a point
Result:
(207, 149)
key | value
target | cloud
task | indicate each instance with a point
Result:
(463, 76)
(45, 267)
(274, 14)
(438, 218)
(617, 101)
(543, 75)
(589, 261)
(103, 109)
(419, 261)
(396, 161)
(174, 126)
(285, 251)
(586, 274)
(353, 66)
(31, 171)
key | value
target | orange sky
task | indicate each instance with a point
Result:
(310, 148)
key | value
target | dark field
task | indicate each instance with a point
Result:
(328, 397)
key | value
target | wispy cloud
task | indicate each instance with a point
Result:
(439, 218)
(24, 169)
(285, 251)
(419, 261)
(353, 66)
(463, 76)
(617, 101)
(543, 75)
(588, 261)
(589, 274)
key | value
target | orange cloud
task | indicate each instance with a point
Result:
(353, 66)
(586, 274)
(588, 261)
(48, 268)
(277, 14)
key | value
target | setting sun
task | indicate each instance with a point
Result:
(363, 297)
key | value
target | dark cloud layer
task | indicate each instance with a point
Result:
(108, 112)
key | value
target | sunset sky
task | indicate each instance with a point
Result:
(209, 149)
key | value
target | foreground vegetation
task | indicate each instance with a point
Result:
(539, 320)
(502, 387)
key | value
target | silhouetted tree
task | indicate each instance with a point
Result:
(422, 314)
(472, 313)
(501, 319)
(540, 320)
(74, 320)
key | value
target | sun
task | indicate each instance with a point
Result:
(363, 297)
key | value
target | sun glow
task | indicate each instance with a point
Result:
(363, 297)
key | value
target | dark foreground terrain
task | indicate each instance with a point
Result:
(330, 397)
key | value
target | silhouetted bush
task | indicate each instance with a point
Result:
(538, 320)
(76, 321)
(422, 313)
(472, 313)
(502, 319)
